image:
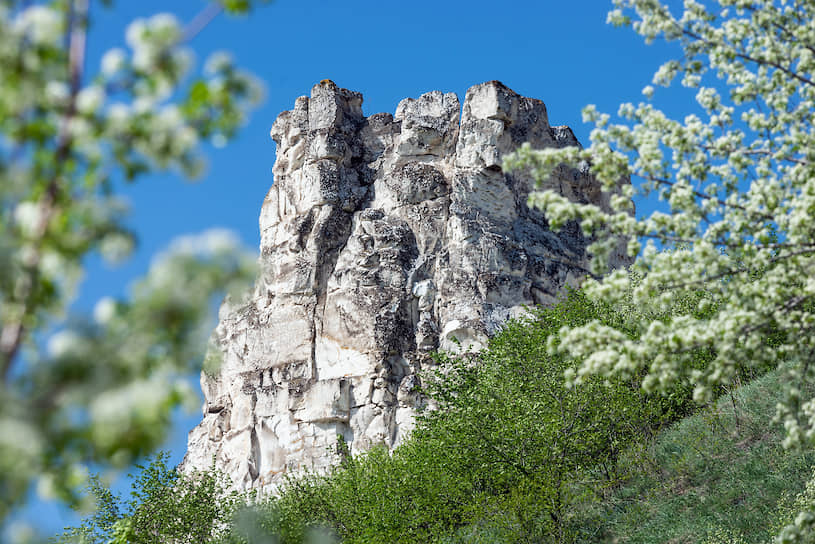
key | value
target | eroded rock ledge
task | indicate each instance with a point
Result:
(382, 239)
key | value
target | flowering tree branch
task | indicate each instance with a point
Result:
(101, 389)
(738, 179)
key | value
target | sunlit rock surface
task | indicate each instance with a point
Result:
(382, 239)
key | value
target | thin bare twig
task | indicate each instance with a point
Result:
(201, 20)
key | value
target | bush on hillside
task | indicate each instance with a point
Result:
(164, 506)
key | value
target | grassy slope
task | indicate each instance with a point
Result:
(706, 479)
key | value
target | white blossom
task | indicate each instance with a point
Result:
(113, 61)
(219, 140)
(79, 129)
(64, 343)
(169, 117)
(135, 33)
(63, 159)
(115, 247)
(52, 265)
(186, 138)
(166, 24)
(41, 24)
(729, 189)
(114, 409)
(209, 242)
(90, 99)
(104, 310)
(22, 532)
(144, 58)
(57, 92)
(739, 183)
(217, 62)
(28, 216)
(46, 487)
(118, 114)
(144, 104)
(183, 60)
(19, 437)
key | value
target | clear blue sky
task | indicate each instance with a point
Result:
(560, 52)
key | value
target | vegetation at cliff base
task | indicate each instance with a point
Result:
(507, 442)
(513, 453)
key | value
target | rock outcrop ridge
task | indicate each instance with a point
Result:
(383, 238)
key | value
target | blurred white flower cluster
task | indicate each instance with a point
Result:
(100, 386)
(41, 24)
(151, 38)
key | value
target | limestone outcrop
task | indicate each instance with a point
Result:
(383, 238)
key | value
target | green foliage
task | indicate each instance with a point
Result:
(240, 6)
(509, 415)
(409, 497)
(164, 506)
(515, 452)
(80, 389)
(508, 451)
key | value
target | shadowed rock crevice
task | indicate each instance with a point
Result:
(382, 239)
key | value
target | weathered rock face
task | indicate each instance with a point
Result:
(382, 239)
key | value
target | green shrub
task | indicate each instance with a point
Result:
(164, 506)
(537, 444)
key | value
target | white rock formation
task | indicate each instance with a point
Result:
(382, 239)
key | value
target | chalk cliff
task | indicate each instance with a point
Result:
(383, 238)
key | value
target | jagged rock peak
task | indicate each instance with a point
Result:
(383, 238)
